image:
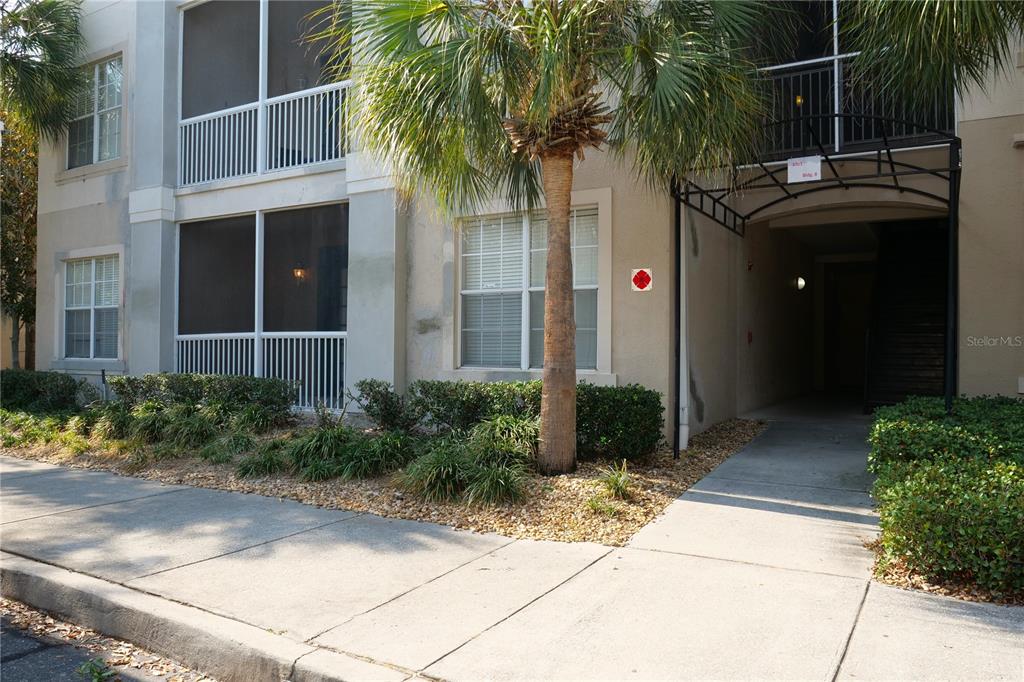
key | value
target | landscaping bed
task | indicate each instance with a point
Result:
(950, 494)
(459, 454)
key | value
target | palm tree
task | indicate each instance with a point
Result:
(41, 43)
(471, 98)
(920, 47)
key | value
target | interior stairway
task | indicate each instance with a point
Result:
(906, 337)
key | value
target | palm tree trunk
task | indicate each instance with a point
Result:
(557, 453)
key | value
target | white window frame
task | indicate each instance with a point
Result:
(97, 113)
(602, 199)
(61, 309)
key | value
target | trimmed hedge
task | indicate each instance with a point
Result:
(955, 520)
(25, 389)
(621, 422)
(232, 392)
(950, 489)
(984, 427)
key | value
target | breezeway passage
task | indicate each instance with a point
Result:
(759, 571)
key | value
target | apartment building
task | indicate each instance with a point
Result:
(207, 213)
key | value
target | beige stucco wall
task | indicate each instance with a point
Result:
(991, 330)
(638, 332)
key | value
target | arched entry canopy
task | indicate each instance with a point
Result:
(867, 151)
(876, 167)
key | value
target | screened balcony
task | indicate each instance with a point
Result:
(267, 295)
(255, 97)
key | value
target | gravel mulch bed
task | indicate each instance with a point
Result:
(117, 654)
(903, 577)
(567, 508)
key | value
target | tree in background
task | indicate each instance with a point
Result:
(18, 175)
(468, 99)
(40, 48)
(40, 78)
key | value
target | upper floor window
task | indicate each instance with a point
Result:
(503, 263)
(92, 300)
(95, 133)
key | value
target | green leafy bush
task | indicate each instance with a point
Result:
(388, 410)
(442, 474)
(450, 405)
(959, 519)
(256, 418)
(496, 483)
(225, 448)
(367, 457)
(618, 422)
(621, 422)
(149, 421)
(25, 389)
(978, 428)
(269, 459)
(505, 439)
(236, 392)
(114, 421)
(190, 431)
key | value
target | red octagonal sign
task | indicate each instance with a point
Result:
(642, 279)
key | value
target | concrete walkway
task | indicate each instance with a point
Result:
(759, 571)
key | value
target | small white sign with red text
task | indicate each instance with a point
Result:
(804, 169)
(642, 280)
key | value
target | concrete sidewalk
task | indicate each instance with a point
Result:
(758, 572)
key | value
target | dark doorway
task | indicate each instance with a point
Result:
(848, 294)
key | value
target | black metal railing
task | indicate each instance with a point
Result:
(807, 97)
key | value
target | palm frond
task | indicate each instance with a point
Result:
(919, 47)
(41, 43)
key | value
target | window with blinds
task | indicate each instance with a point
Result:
(92, 297)
(503, 259)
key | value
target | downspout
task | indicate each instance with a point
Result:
(681, 430)
(952, 277)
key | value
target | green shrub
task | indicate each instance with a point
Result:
(450, 405)
(442, 474)
(959, 519)
(388, 410)
(237, 392)
(225, 448)
(114, 421)
(978, 428)
(190, 431)
(149, 421)
(269, 459)
(367, 457)
(618, 422)
(505, 439)
(256, 418)
(25, 389)
(496, 483)
(322, 444)
(616, 482)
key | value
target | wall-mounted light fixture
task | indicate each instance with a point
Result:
(799, 283)
(300, 274)
(799, 100)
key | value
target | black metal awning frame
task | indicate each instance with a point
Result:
(880, 171)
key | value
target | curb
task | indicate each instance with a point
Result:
(224, 648)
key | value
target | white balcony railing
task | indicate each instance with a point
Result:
(314, 362)
(298, 129)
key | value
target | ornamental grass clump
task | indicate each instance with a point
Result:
(269, 459)
(442, 473)
(616, 482)
(371, 456)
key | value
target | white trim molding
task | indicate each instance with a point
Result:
(151, 203)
